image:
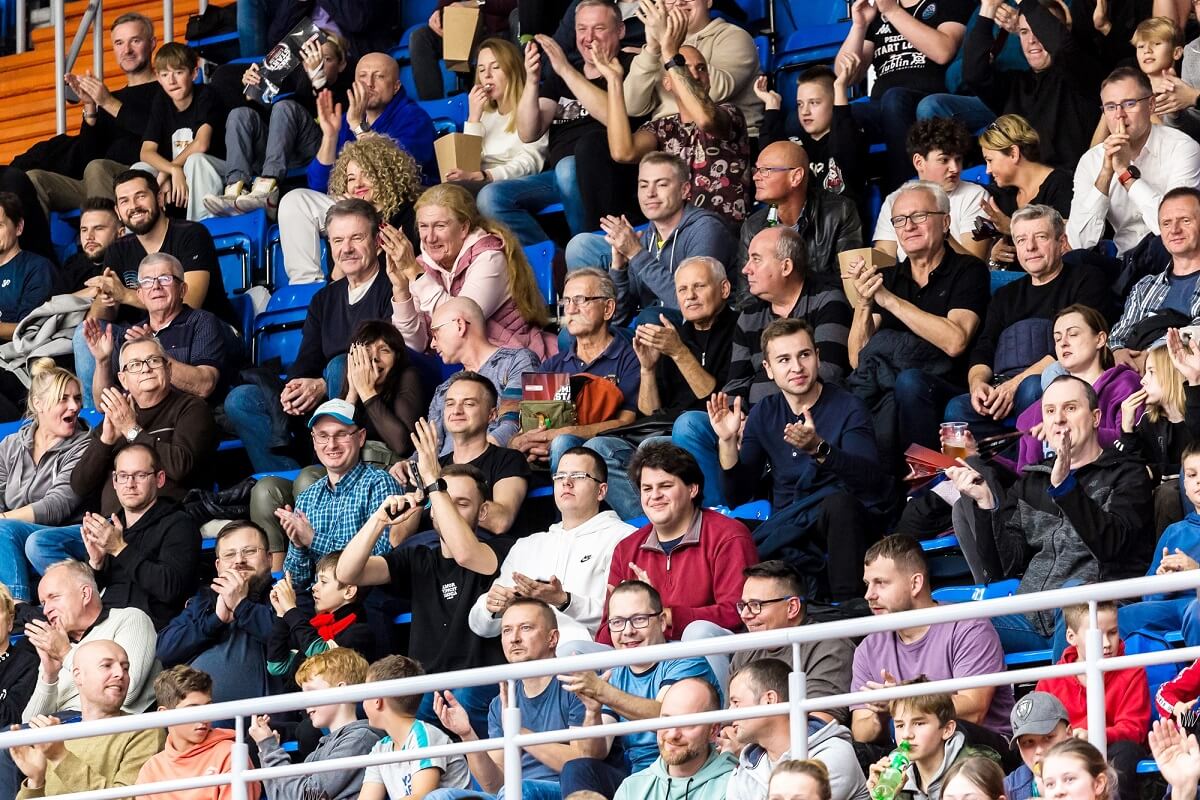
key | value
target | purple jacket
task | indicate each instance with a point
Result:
(1112, 387)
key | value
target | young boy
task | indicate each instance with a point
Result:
(397, 716)
(193, 749)
(185, 137)
(339, 622)
(836, 148)
(927, 723)
(1159, 45)
(348, 735)
(1126, 693)
(1039, 722)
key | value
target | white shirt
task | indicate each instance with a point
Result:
(397, 778)
(965, 206)
(1169, 159)
(579, 558)
(503, 151)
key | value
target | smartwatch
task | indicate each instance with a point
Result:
(437, 486)
(1130, 175)
(677, 61)
(823, 450)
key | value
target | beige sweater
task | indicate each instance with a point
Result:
(732, 67)
(99, 762)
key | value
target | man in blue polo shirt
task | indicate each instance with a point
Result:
(588, 303)
(25, 277)
(203, 350)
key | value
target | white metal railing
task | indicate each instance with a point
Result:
(797, 709)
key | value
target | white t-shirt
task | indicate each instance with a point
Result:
(397, 778)
(965, 206)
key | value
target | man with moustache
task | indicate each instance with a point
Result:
(99, 227)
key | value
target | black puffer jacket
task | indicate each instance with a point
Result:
(1160, 444)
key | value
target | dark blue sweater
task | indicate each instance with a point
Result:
(840, 419)
(403, 120)
(1184, 535)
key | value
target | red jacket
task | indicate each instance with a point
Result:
(701, 579)
(1126, 699)
(1182, 688)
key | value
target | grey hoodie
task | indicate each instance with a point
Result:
(649, 279)
(47, 484)
(355, 739)
(831, 744)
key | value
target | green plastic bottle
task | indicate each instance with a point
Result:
(892, 777)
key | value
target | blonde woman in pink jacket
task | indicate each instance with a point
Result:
(464, 255)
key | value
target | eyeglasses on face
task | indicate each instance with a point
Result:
(762, 172)
(131, 477)
(138, 366)
(755, 606)
(246, 553)
(916, 218)
(341, 437)
(161, 280)
(638, 621)
(578, 300)
(573, 477)
(1128, 105)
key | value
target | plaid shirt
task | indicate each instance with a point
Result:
(336, 514)
(1145, 300)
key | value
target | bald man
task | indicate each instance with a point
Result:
(458, 335)
(828, 223)
(101, 671)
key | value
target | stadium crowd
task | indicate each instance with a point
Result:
(731, 334)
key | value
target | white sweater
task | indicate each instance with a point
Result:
(504, 154)
(579, 558)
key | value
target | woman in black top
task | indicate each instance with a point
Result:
(384, 385)
(1012, 150)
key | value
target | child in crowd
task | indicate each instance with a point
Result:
(184, 142)
(1074, 768)
(1159, 45)
(195, 748)
(1039, 722)
(339, 622)
(398, 717)
(927, 723)
(799, 780)
(836, 148)
(348, 735)
(1126, 692)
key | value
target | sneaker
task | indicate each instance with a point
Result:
(225, 204)
(263, 194)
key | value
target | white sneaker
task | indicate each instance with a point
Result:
(263, 194)
(224, 205)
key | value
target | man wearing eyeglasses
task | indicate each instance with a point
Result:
(567, 566)
(1122, 180)
(200, 348)
(177, 425)
(225, 627)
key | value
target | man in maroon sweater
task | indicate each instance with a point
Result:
(693, 557)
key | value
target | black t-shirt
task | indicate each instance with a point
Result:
(713, 348)
(898, 63)
(496, 463)
(77, 269)
(121, 137)
(571, 120)
(1056, 191)
(173, 130)
(442, 593)
(192, 244)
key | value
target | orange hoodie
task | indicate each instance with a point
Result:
(211, 757)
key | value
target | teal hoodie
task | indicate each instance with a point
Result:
(654, 783)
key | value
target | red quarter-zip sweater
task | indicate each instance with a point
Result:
(700, 579)
(1126, 699)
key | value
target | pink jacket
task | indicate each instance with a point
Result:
(480, 273)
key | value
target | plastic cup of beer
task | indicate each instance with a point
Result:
(954, 439)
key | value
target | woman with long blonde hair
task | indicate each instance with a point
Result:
(464, 254)
(492, 115)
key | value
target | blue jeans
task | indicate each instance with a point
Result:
(1017, 634)
(920, 401)
(85, 364)
(530, 790)
(972, 112)
(592, 774)
(887, 119)
(48, 546)
(693, 432)
(1161, 616)
(515, 201)
(959, 409)
(588, 250)
(475, 700)
(247, 411)
(18, 550)
(252, 27)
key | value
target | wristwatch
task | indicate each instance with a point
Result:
(677, 61)
(823, 450)
(437, 486)
(132, 434)
(1130, 175)
(566, 603)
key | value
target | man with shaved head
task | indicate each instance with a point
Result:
(101, 671)
(828, 223)
(458, 334)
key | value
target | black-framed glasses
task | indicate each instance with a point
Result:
(578, 300)
(755, 607)
(559, 477)
(638, 621)
(1128, 105)
(138, 366)
(757, 171)
(161, 280)
(916, 218)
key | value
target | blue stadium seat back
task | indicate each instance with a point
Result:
(243, 307)
(449, 79)
(64, 234)
(91, 416)
(9, 428)
(290, 298)
(541, 259)
(967, 594)
(940, 544)
(756, 10)
(276, 268)
(803, 48)
(240, 241)
(797, 16)
(1004, 277)
(638, 522)
(449, 114)
(755, 509)
(763, 45)
(1028, 658)
(943, 567)
(1147, 766)
(287, 474)
(977, 174)
(281, 341)
(1157, 674)
(541, 491)
(220, 38)
(278, 329)
(415, 13)
(429, 368)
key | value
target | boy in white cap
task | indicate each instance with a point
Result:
(1039, 721)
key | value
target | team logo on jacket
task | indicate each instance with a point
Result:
(449, 591)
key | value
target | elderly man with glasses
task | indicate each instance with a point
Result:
(177, 425)
(203, 352)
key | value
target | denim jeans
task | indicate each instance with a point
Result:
(972, 112)
(920, 401)
(47, 546)
(693, 432)
(592, 774)
(530, 790)
(1161, 616)
(290, 139)
(252, 27)
(247, 411)
(18, 549)
(515, 201)
(1017, 634)
(85, 364)
(959, 409)
(588, 250)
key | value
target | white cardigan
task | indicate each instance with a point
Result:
(505, 156)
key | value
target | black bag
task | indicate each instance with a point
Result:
(232, 503)
(637, 432)
(214, 20)
(1154, 327)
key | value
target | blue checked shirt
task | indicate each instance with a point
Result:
(336, 514)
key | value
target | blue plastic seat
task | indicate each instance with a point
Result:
(449, 114)
(240, 241)
(1028, 658)
(977, 174)
(541, 259)
(755, 509)
(966, 594)
(1001, 278)
(277, 277)
(941, 543)
(64, 233)
(278, 330)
